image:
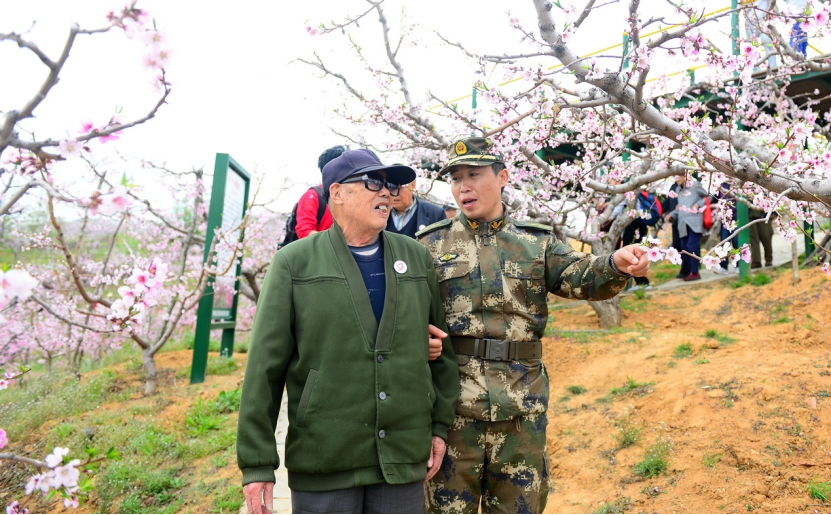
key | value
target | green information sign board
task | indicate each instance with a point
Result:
(218, 306)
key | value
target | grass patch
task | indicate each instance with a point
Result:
(721, 338)
(229, 500)
(760, 279)
(656, 459)
(683, 351)
(619, 505)
(781, 320)
(819, 491)
(53, 396)
(574, 389)
(710, 460)
(217, 366)
(631, 386)
(701, 361)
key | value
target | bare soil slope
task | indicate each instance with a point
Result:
(746, 408)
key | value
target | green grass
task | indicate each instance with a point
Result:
(229, 500)
(760, 279)
(631, 386)
(701, 361)
(50, 397)
(781, 320)
(619, 505)
(575, 389)
(819, 491)
(710, 460)
(217, 366)
(721, 338)
(655, 460)
(683, 351)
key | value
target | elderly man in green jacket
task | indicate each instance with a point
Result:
(341, 323)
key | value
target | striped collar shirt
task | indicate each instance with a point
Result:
(400, 220)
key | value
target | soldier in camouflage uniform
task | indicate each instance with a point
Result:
(494, 275)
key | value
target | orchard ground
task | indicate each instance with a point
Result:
(732, 382)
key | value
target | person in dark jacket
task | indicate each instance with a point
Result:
(342, 324)
(410, 215)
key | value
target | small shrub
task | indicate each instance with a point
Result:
(640, 294)
(655, 460)
(683, 351)
(710, 460)
(575, 389)
(227, 402)
(819, 491)
(628, 428)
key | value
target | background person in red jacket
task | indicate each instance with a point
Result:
(308, 204)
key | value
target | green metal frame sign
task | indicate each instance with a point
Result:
(218, 306)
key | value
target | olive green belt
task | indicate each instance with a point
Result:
(498, 350)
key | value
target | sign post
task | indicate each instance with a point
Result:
(218, 305)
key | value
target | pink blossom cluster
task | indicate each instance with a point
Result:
(115, 201)
(15, 283)
(137, 22)
(25, 162)
(14, 507)
(62, 475)
(140, 291)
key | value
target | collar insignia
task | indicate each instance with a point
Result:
(473, 224)
(496, 224)
(447, 257)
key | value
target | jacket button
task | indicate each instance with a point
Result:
(383, 395)
(382, 433)
(380, 474)
(380, 358)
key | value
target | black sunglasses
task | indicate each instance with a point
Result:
(373, 184)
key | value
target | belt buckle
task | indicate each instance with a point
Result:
(497, 350)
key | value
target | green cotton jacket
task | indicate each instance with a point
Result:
(363, 399)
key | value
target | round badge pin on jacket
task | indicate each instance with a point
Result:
(400, 266)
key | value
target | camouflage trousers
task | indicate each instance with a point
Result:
(504, 465)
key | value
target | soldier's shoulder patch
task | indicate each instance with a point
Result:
(430, 228)
(534, 225)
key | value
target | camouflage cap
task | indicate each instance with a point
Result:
(472, 151)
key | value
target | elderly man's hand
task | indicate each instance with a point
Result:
(436, 457)
(256, 494)
(632, 260)
(434, 335)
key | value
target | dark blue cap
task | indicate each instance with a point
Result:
(360, 161)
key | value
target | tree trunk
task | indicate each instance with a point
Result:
(149, 372)
(608, 312)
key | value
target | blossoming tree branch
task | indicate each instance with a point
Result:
(736, 124)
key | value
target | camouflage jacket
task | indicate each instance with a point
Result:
(494, 278)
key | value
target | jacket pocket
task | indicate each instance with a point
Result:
(304, 398)
(524, 282)
(454, 286)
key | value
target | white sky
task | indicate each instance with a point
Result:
(234, 88)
